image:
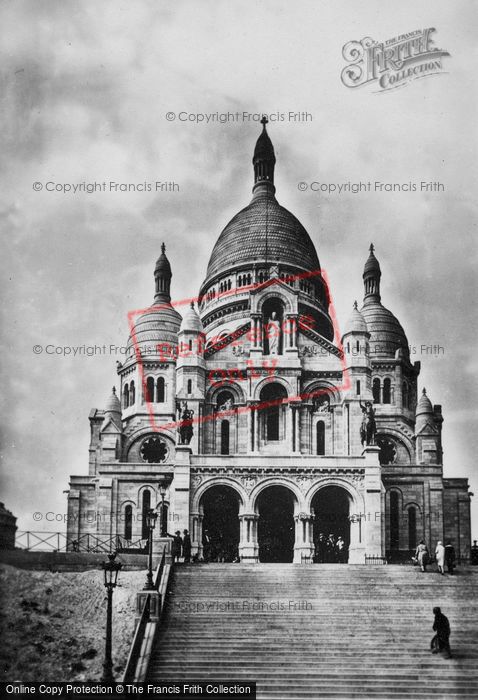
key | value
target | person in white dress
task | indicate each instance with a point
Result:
(440, 557)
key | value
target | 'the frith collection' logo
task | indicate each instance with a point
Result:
(392, 63)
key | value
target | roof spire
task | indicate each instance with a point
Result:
(264, 161)
(371, 278)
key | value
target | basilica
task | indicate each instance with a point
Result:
(245, 417)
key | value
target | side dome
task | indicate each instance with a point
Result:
(158, 324)
(386, 333)
(263, 231)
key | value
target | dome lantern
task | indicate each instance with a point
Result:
(162, 277)
(264, 161)
(371, 278)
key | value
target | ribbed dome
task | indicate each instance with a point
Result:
(424, 405)
(263, 231)
(356, 322)
(386, 333)
(191, 321)
(159, 324)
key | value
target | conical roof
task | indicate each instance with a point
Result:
(191, 321)
(356, 322)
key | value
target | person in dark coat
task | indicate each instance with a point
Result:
(176, 546)
(450, 557)
(186, 547)
(442, 629)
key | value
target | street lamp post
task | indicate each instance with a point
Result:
(111, 569)
(162, 492)
(151, 516)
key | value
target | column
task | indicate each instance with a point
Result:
(248, 545)
(304, 545)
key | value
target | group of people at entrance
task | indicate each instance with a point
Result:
(181, 547)
(330, 549)
(444, 556)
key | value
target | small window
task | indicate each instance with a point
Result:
(132, 394)
(128, 522)
(225, 437)
(125, 396)
(376, 390)
(358, 387)
(321, 437)
(387, 390)
(160, 390)
(190, 344)
(357, 346)
(149, 397)
(190, 386)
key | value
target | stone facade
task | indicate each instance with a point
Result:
(250, 411)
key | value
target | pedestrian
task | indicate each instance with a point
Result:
(441, 641)
(421, 554)
(341, 550)
(440, 557)
(176, 546)
(207, 546)
(186, 547)
(450, 557)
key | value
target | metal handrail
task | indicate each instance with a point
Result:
(32, 540)
(139, 635)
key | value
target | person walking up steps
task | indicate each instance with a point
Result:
(441, 641)
(422, 555)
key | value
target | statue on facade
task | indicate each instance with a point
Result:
(368, 429)
(185, 427)
(273, 334)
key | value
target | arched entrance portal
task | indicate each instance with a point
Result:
(276, 527)
(220, 524)
(331, 506)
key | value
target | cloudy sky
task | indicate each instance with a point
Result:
(86, 90)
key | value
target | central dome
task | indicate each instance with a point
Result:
(263, 232)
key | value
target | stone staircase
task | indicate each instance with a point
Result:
(319, 631)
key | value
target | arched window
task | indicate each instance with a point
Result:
(225, 437)
(376, 390)
(357, 345)
(132, 394)
(272, 395)
(348, 348)
(321, 437)
(357, 386)
(190, 386)
(144, 510)
(149, 395)
(412, 527)
(190, 344)
(394, 521)
(387, 390)
(160, 390)
(128, 522)
(125, 396)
